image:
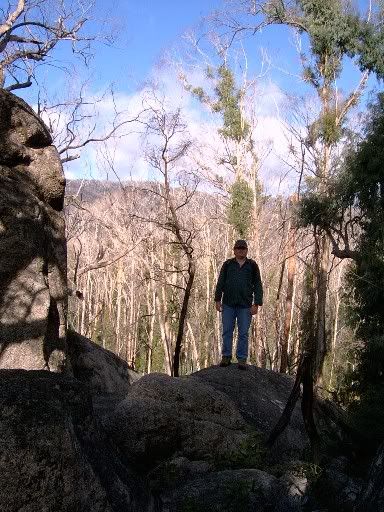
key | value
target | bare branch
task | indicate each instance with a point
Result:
(5, 27)
(90, 140)
(341, 253)
(36, 34)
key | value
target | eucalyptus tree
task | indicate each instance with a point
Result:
(332, 30)
(238, 154)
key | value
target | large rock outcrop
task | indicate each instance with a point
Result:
(102, 371)
(33, 282)
(200, 439)
(163, 417)
(260, 395)
(53, 454)
(165, 445)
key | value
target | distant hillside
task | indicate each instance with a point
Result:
(90, 190)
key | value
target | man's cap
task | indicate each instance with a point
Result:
(240, 244)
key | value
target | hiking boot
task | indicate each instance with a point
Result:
(225, 361)
(242, 364)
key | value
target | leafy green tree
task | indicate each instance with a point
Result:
(228, 101)
(334, 27)
(366, 276)
(240, 207)
(229, 97)
(333, 31)
(326, 24)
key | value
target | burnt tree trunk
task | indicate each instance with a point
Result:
(183, 317)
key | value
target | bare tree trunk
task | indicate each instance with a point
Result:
(304, 377)
(262, 353)
(253, 345)
(277, 317)
(291, 270)
(335, 326)
(165, 331)
(293, 343)
(80, 308)
(151, 307)
(289, 407)
(91, 304)
(134, 328)
(256, 347)
(119, 308)
(131, 334)
(307, 410)
(84, 303)
(320, 334)
(183, 316)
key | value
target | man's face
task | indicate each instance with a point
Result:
(240, 253)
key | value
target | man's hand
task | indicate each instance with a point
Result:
(219, 307)
(254, 309)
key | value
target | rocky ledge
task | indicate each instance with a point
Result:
(118, 442)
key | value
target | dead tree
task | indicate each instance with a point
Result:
(179, 184)
(31, 29)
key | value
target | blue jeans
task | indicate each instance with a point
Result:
(229, 317)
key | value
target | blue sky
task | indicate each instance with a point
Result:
(144, 31)
(154, 26)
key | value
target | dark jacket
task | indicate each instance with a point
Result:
(239, 286)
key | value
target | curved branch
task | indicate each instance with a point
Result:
(341, 253)
(107, 136)
(19, 85)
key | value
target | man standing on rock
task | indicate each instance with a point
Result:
(238, 295)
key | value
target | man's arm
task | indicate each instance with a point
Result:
(220, 288)
(257, 287)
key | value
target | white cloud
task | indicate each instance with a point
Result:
(69, 174)
(123, 155)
